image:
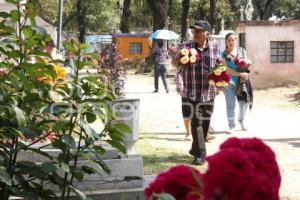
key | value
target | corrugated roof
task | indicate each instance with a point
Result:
(130, 35)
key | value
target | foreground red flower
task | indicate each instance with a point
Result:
(181, 181)
(242, 169)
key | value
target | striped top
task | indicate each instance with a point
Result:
(195, 77)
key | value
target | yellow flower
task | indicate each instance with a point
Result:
(219, 84)
(211, 82)
(218, 72)
(223, 68)
(46, 61)
(193, 52)
(184, 52)
(192, 59)
(47, 79)
(225, 84)
(60, 71)
(184, 60)
(95, 62)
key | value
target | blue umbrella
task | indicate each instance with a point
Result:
(164, 35)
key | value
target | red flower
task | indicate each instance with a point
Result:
(242, 169)
(219, 77)
(180, 181)
(242, 63)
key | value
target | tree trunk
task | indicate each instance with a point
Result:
(125, 17)
(266, 13)
(81, 17)
(213, 14)
(268, 9)
(160, 13)
(184, 19)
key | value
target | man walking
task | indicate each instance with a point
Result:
(197, 94)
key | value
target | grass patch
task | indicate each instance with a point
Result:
(162, 151)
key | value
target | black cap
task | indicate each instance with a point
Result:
(201, 24)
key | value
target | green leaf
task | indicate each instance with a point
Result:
(15, 54)
(79, 175)
(48, 167)
(80, 194)
(12, 1)
(84, 64)
(165, 196)
(60, 125)
(65, 167)
(4, 176)
(4, 14)
(71, 48)
(38, 151)
(20, 117)
(90, 116)
(122, 127)
(99, 149)
(83, 46)
(15, 15)
(118, 145)
(100, 161)
(90, 132)
(27, 31)
(32, 131)
(88, 170)
(69, 141)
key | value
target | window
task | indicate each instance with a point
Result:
(242, 40)
(135, 48)
(282, 51)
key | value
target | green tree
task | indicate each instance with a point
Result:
(201, 10)
(160, 10)
(264, 8)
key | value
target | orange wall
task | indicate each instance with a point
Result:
(123, 45)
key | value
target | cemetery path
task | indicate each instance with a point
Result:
(274, 118)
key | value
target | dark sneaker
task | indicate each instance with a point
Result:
(167, 91)
(155, 91)
(191, 153)
(198, 161)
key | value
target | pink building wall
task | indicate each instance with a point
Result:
(258, 36)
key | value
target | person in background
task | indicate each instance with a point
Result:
(52, 51)
(230, 55)
(160, 56)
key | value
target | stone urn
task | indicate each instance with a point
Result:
(127, 111)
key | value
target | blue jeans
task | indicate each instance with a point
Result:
(230, 97)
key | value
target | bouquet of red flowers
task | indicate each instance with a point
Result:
(243, 64)
(187, 57)
(219, 76)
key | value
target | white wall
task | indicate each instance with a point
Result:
(258, 39)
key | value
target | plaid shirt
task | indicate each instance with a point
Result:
(195, 84)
